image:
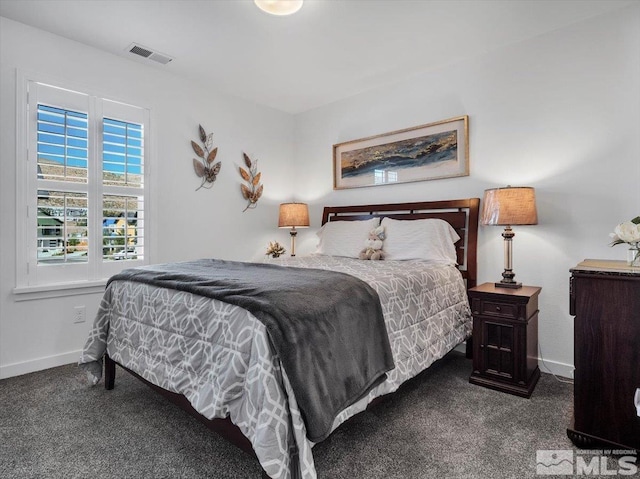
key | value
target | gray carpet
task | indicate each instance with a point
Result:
(52, 425)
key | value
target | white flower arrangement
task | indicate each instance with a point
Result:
(629, 233)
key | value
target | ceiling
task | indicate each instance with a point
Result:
(329, 50)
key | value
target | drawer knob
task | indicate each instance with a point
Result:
(498, 308)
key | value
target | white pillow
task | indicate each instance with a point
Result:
(428, 239)
(344, 238)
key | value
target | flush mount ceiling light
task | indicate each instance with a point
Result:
(279, 7)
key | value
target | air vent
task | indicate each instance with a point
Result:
(143, 52)
(160, 58)
(148, 53)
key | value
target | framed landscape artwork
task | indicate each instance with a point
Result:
(426, 152)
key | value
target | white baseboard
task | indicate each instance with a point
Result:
(546, 365)
(25, 367)
(557, 368)
(17, 369)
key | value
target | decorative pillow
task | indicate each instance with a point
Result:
(344, 238)
(428, 239)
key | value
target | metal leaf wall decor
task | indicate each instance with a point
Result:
(204, 167)
(253, 190)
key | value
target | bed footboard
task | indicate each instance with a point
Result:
(109, 372)
(223, 427)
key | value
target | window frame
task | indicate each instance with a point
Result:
(31, 280)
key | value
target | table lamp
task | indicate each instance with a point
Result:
(293, 215)
(507, 207)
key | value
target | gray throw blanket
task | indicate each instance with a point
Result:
(326, 327)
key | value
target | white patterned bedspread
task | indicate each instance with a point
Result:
(218, 355)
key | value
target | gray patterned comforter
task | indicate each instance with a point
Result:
(219, 357)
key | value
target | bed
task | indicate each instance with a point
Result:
(217, 361)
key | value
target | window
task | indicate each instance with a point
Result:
(122, 166)
(85, 187)
(62, 155)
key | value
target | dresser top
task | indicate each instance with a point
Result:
(606, 266)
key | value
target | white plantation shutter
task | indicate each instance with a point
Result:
(123, 185)
(61, 205)
(85, 186)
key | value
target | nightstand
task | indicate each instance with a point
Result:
(505, 338)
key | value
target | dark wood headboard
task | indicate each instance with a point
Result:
(461, 214)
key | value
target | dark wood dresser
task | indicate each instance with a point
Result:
(605, 300)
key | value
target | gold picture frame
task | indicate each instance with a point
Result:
(426, 152)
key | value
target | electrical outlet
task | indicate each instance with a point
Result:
(79, 314)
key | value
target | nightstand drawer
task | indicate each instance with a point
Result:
(498, 308)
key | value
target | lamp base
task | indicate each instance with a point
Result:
(293, 234)
(505, 284)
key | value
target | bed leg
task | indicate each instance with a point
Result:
(109, 372)
(469, 350)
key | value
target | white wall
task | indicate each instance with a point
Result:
(560, 112)
(186, 224)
